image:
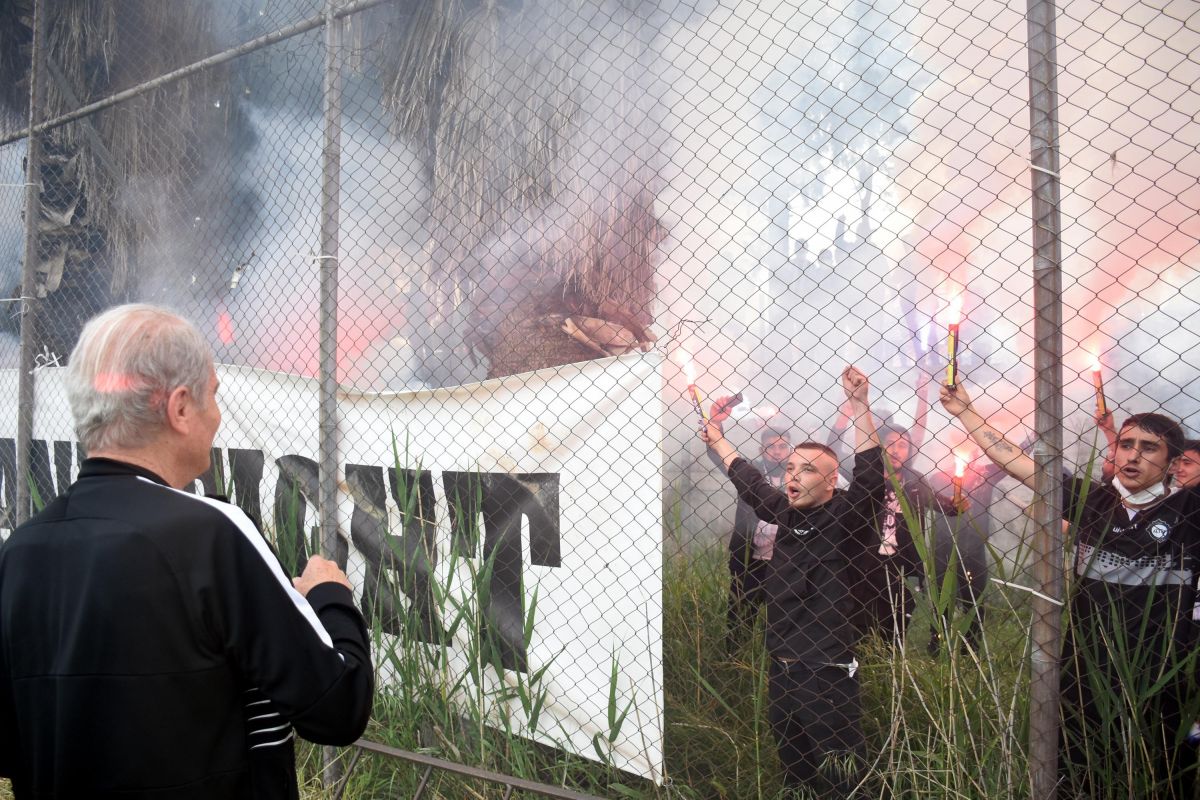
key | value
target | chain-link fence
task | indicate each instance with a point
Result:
(473, 268)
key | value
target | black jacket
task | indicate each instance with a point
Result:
(810, 609)
(745, 523)
(141, 630)
(1134, 579)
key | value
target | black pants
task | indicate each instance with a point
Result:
(966, 601)
(1093, 738)
(815, 714)
(746, 597)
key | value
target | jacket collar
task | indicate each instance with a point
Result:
(109, 468)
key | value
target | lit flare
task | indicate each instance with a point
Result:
(1098, 382)
(689, 369)
(960, 469)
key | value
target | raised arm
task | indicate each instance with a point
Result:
(1003, 453)
(857, 389)
(840, 423)
(917, 432)
(767, 502)
(712, 433)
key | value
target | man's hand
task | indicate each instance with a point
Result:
(722, 407)
(320, 570)
(956, 401)
(855, 385)
(710, 431)
(947, 501)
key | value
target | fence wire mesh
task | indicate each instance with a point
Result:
(564, 229)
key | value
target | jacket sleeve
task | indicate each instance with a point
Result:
(310, 657)
(869, 481)
(768, 503)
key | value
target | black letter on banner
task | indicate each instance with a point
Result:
(504, 500)
(39, 469)
(46, 481)
(246, 470)
(298, 483)
(412, 490)
(395, 564)
(208, 479)
(8, 473)
(64, 464)
(244, 479)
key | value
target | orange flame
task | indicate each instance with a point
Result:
(689, 366)
(960, 466)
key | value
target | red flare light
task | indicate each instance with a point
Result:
(689, 370)
(225, 327)
(960, 469)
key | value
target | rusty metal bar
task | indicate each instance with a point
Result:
(345, 779)
(430, 763)
(1046, 631)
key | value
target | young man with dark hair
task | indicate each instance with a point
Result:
(813, 684)
(752, 541)
(891, 556)
(1128, 662)
(1185, 470)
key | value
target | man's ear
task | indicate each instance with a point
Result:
(180, 408)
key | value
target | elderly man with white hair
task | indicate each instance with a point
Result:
(151, 646)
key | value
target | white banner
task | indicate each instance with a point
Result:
(550, 481)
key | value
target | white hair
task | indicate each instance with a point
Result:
(127, 362)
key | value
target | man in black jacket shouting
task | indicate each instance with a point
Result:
(813, 685)
(150, 644)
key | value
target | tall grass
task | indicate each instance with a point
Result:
(947, 726)
(951, 725)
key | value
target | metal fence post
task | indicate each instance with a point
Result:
(28, 301)
(328, 347)
(1047, 275)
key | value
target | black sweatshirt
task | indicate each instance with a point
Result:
(141, 629)
(1135, 576)
(810, 610)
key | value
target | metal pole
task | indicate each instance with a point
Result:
(28, 301)
(1047, 296)
(327, 412)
